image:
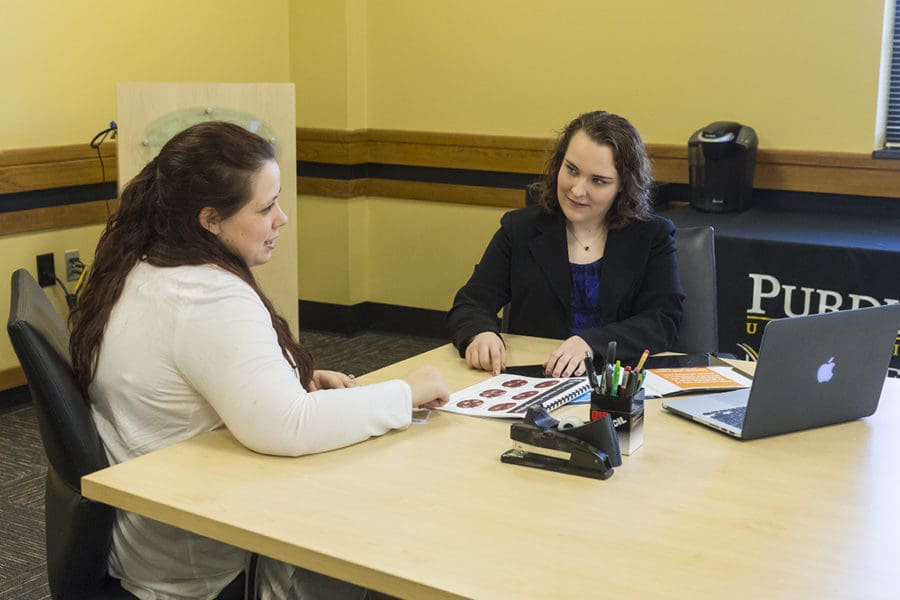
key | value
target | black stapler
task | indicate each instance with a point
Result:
(589, 450)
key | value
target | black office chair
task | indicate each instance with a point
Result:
(699, 331)
(78, 530)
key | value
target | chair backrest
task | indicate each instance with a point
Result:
(78, 531)
(699, 331)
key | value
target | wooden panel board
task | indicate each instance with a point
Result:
(140, 104)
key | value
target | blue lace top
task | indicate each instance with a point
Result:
(586, 312)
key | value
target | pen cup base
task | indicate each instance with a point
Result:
(627, 414)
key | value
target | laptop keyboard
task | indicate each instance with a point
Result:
(731, 416)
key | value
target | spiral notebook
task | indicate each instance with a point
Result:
(508, 396)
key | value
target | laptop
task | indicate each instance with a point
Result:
(812, 371)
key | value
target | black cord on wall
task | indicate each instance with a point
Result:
(71, 299)
(110, 132)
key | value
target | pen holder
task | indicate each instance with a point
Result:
(627, 414)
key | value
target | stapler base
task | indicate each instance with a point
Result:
(551, 463)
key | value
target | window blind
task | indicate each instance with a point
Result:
(892, 137)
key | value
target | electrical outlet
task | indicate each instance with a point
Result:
(74, 267)
(45, 270)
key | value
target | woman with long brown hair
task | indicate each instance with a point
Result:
(588, 264)
(173, 337)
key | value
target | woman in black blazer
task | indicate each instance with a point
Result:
(589, 264)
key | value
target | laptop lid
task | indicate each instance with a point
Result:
(820, 369)
(812, 371)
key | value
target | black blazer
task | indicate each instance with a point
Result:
(526, 264)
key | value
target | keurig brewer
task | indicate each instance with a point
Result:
(722, 157)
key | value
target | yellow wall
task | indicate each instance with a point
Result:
(61, 61)
(403, 252)
(421, 252)
(329, 234)
(803, 73)
(319, 63)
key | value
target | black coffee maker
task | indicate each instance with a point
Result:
(722, 158)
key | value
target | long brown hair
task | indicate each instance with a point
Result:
(211, 164)
(631, 160)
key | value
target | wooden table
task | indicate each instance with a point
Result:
(431, 512)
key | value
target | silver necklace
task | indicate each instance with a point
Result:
(587, 247)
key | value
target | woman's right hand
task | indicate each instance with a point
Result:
(429, 390)
(486, 352)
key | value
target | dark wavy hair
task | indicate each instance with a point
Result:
(631, 160)
(212, 164)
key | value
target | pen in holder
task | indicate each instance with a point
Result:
(627, 414)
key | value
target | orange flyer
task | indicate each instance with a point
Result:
(692, 378)
(684, 380)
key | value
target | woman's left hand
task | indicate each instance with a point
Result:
(568, 359)
(330, 380)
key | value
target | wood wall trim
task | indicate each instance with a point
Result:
(34, 169)
(411, 190)
(458, 151)
(332, 188)
(12, 378)
(30, 169)
(791, 170)
(422, 149)
(332, 146)
(799, 171)
(371, 145)
(57, 217)
(441, 192)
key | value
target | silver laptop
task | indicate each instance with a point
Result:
(814, 370)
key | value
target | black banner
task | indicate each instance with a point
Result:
(760, 280)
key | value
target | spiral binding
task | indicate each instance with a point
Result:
(557, 398)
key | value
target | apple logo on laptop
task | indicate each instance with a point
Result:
(826, 371)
